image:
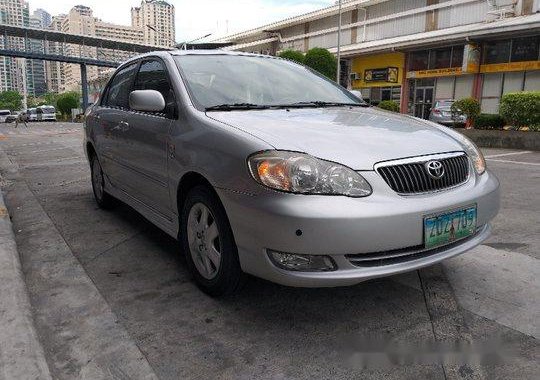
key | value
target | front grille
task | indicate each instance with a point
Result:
(412, 177)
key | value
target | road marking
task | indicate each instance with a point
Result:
(516, 162)
(507, 154)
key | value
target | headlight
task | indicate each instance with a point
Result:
(301, 173)
(473, 152)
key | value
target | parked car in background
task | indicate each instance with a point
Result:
(12, 117)
(46, 113)
(357, 93)
(259, 165)
(441, 113)
(3, 115)
(32, 114)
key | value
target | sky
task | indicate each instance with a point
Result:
(195, 18)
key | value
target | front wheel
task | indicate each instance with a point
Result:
(103, 199)
(208, 242)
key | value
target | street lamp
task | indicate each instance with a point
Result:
(338, 71)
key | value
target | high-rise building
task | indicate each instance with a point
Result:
(44, 17)
(156, 19)
(36, 82)
(80, 20)
(13, 12)
(55, 78)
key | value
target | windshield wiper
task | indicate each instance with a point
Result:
(237, 106)
(317, 103)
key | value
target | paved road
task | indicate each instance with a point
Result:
(89, 270)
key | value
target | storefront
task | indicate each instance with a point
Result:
(379, 77)
(485, 70)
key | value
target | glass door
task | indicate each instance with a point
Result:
(424, 89)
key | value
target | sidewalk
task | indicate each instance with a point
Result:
(21, 354)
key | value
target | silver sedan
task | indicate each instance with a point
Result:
(259, 165)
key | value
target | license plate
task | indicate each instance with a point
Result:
(446, 113)
(448, 227)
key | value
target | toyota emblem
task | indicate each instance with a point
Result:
(435, 169)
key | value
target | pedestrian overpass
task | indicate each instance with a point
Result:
(50, 45)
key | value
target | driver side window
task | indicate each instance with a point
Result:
(152, 75)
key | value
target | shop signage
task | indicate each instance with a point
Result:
(471, 58)
(513, 66)
(435, 73)
(387, 74)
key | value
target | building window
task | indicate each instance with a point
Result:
(457, 56)
(419, 60)
(524, 49)
(440, 58)
(497, 52)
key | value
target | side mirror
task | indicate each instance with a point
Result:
(146, 101)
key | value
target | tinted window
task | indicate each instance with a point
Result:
(228, 79)
(440, 58)
(118, 92)
(525, 49)
(419, 60)
(497, 52)
(153, 76)
(457, 56)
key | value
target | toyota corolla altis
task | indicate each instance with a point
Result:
(259, 165)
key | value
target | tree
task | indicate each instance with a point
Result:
(323, 61)
(67, 101)
(292, 55)
(10, 100)
(50, 98)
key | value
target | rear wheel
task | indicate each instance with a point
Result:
(208, 242)
(103, 199)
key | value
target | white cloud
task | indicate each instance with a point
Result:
(199, 17)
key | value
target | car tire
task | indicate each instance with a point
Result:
(103, 199)
(208, 243)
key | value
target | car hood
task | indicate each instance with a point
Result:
(355, 137)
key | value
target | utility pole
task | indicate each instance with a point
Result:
(338, 71)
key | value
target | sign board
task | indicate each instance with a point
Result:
(387, 74)
(435, 73)
(513, 66)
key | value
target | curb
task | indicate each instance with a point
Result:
(21, 353)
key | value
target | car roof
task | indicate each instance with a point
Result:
(168, 53)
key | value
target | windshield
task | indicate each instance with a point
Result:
(215, 80)
(4, 113)
(47, 109)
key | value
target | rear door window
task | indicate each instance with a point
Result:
(118, 92)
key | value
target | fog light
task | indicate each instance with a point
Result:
(302, 263)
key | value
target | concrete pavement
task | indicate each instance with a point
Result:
(75, 255)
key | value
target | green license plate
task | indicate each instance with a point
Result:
(448, 227)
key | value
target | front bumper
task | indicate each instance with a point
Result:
(340, 226)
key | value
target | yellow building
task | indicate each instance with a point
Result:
(379, 76)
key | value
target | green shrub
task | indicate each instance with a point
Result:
(323, 61)
(67, 101)
(489, 121)
(469, 107)
(389, 105)
(521, 109)
(292, 55)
